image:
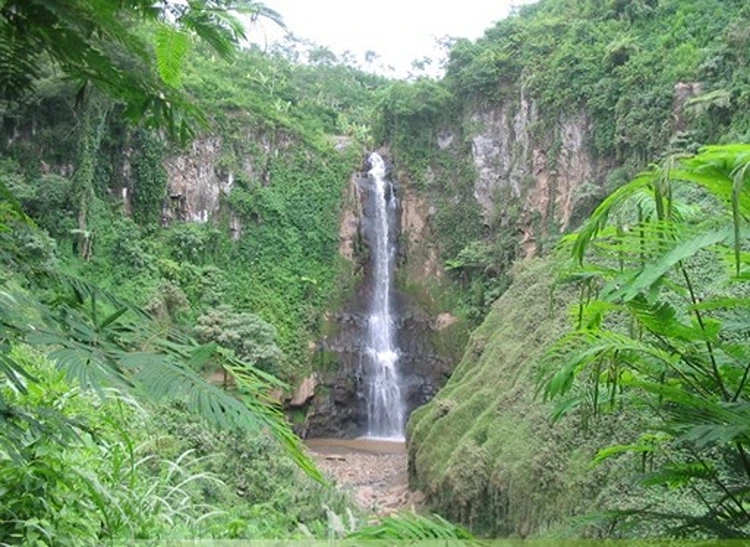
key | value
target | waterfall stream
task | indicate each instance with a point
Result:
(385, 405)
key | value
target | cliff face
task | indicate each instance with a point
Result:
(195, 184)
(527, 180)
(484, 451)
(338, 408)
(532, 175)
(201, 176)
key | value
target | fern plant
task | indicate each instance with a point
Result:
(662, 327)
(411, 526)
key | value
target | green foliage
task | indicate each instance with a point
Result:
(410, 526)
(100, 340)
(262, 493)
(618, 61)
(47, 198)
(408, 115)
(274, 93)
(171, 48)
(23, 248)
(286, 260)
(481, 268)
(193, 243)
(252, 339)
(169, 303)
(484, 451)
(93, 488)
(150, 179)
(101, 44)
(128, 248)
(136, 473)
(654, 332)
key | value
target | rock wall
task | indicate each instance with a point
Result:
(198, 177)
(542, 171)
(195, 185)
(338, 408)
(535, 174)
(420, 255)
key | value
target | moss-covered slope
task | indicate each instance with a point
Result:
(486, 453)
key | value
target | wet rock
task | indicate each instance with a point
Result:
(339, 407)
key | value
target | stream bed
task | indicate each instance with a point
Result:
(373, 470)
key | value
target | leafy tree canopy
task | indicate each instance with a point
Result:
(103, 43)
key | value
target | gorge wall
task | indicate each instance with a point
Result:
(508, 158)
(338, 407)
(529, 180)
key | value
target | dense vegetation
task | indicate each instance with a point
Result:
(609, 67)
(624, 344)
(654, 366)
(138, 299)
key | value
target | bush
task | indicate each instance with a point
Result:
(252, 339)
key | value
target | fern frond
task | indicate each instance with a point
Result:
(410, 526)
(171, 49)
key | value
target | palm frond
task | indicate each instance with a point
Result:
(99, 340)
(656, 335)
(598, 219)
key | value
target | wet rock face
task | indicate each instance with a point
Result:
(423, 371)
(339, 408)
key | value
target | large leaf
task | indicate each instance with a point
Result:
(675, 253)
(598, 219)
(171, 49)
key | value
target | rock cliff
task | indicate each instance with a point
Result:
(532, 175)
(338, 408)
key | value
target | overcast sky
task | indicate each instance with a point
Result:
(399, 30)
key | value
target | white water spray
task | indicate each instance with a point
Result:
(385, 406)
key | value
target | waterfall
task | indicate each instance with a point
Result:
(385, 406)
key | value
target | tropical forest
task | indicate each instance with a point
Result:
(265, 290)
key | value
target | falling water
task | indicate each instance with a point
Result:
(385, 407)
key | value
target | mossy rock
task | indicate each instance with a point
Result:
(485, 451)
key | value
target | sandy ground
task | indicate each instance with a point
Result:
(373, 470)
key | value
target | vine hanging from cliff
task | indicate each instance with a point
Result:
(150, 178)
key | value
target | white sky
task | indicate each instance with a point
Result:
(398, 30)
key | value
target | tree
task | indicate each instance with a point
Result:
(251, 338)
(100, 340)
(131, 50)
(663, 330)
